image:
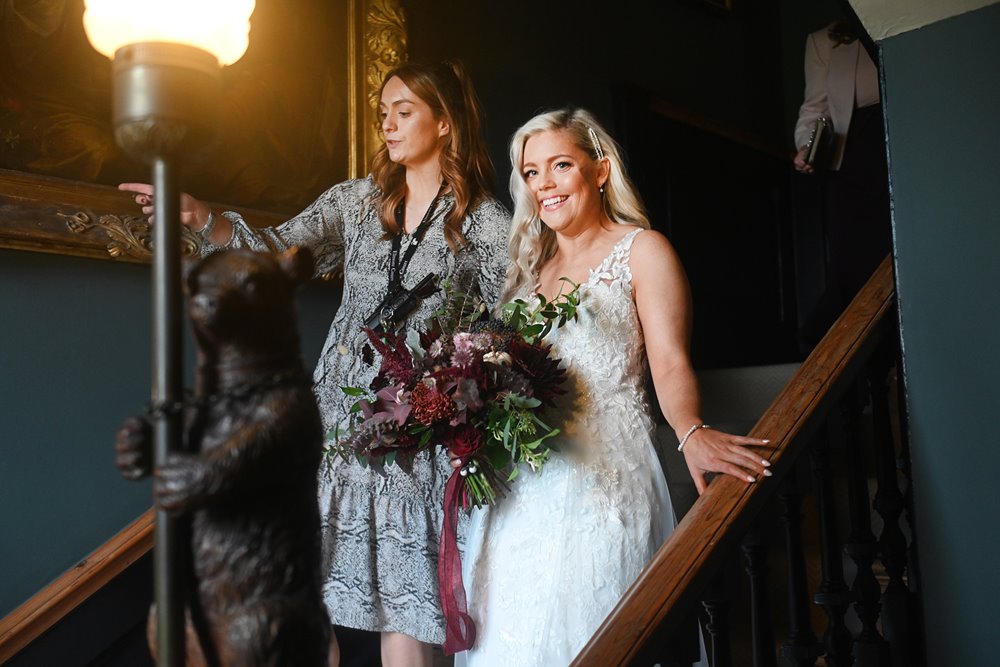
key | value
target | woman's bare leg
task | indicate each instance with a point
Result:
(399, 650)
(334, 650)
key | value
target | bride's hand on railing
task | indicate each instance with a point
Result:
(708, 450)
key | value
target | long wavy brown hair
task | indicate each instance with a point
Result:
(465, 162)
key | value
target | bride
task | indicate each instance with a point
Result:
(545, 566)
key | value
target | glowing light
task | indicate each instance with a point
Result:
(220, 27)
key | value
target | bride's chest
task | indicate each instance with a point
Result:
(606, 329)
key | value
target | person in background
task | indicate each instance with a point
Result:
(842, 86)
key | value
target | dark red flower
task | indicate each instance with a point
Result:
(430, 405)
(427, 338)
(465, 441)
(542, 371)
(397, 362)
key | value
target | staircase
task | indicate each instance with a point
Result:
(847, 593)
(815, 422)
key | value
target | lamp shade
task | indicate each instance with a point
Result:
(220, 27)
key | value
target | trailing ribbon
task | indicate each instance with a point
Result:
(460, 631)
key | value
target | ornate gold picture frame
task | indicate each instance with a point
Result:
(296, 121)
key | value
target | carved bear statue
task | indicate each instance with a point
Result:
(246, 479)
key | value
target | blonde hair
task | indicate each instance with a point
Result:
(531, 242)
(465, 161)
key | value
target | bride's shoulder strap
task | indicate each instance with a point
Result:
(621, 255)
(623, 249)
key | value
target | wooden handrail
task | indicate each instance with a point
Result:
(55, 601)
(668, 589)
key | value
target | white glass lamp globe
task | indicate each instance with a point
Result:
(220, 27)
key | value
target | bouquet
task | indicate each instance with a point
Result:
(476, 386)
(470, 383)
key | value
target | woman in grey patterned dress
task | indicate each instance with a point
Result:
(381, 531)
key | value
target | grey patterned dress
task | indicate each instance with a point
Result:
(380, 533)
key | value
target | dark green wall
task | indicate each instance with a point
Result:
(74, 361)
(942, 87)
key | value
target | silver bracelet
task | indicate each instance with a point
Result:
(687, 435)
(206, 229)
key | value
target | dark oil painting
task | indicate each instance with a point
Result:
(284, 131)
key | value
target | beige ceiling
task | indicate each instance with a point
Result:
(885, 18)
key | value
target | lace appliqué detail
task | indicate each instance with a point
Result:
(615, 267)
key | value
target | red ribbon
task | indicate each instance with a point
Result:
(460, 631)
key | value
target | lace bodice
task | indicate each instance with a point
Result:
(604, 348)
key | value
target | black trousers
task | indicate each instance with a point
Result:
(857, 219)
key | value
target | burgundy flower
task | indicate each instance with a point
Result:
(397, 362)
(465, 441)
(428, 338)
(542, 371)
(430, 405)
(452, 391)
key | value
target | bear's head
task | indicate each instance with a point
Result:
(245, 300)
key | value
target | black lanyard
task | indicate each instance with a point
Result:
(397, 266)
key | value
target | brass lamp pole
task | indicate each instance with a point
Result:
(167, 57)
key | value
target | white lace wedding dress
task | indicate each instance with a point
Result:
(546, 565)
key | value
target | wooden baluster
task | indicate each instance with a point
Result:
(716, 604)
(682, 649)
(801, 648)
(754, 549)
(870, 649)
(889, 505)
(833, 595)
